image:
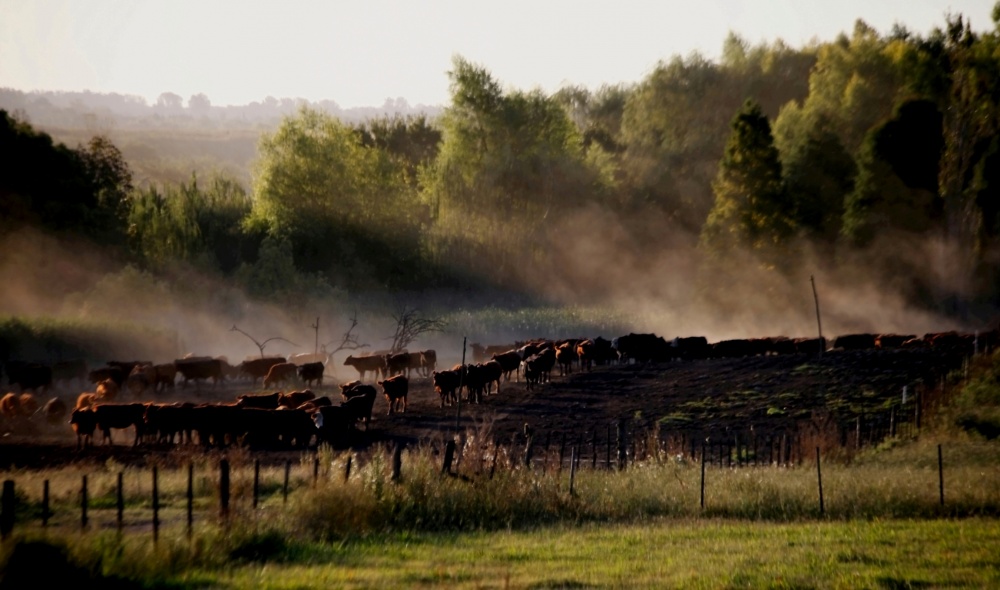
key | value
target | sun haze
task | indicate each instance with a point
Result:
(361, 53)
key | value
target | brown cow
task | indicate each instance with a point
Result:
(447, 383)
(29, 405)
(565, 355)
(888, 341)
(295, 399)
(10, 406)
(428, 362)
(586, 352)
(107, 391)
(480, 353)
(199, 368)
(257, 368)
(395, 390)
(364, 364)
(140, 379)
(510, 362)
(355, 389)
(311, 373)
(280, 373)
(855, 342)
(54, 410)
(398, 363)
(120, 416)
(360, 406)
(165, 376)
(85, 400)
(84, 422)
(268, 401)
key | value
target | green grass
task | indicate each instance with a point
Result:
(688, 553)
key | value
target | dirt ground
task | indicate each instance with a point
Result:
(762, 394)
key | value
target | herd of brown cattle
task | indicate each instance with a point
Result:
(537, 358)
(275, 420)
(299, 417)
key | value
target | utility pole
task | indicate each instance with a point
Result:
(315, 328)
(819, 324)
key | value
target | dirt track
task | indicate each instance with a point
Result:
(770, 394)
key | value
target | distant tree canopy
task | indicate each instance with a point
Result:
(53, 187)
(768, 148)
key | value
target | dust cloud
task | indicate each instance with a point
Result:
(654, 274)
(660, 275)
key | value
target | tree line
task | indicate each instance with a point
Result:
(841, 147)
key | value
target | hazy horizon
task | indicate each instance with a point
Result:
(360, 55)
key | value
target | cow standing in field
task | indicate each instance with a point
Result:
(447, 384)
(199, 368)
(10, 406)
(428, 362)
(54, 410)
(311, 374)
(257, 368)
(395, 390)
(84, 422)
(280, 373)
(294, 400)
(364, 364)
(120, 416)
(510, 362)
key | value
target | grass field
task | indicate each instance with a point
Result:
(687, 553)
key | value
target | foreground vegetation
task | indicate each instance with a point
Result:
(659, 553)
(487, 526)
(493, 523)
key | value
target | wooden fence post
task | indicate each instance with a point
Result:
(315, 470)
(607, 461)
(819, 477)
(449, 457)
(397, 461)
(45, 504)
(284, 489)
(529, 450)
(622, 446)
(7, 505)
(940, 475)
(347, 468)
(83, 503)
(156, 504)
(703, 476)
(572, 470)
(121, 500)
(593, 449)
(224, 487)
(562, 452)
(256, 482)
(190, 500)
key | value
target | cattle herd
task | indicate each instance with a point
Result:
(300, 418)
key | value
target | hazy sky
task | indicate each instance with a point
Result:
(360, 52)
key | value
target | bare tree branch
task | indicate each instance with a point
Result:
(261, 345)
(410, 324)
(349, 341)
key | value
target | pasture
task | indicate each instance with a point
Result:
(687, 473)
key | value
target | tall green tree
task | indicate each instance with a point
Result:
(752, 208)
(897, 181)
(508, 161)
(345, 207)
